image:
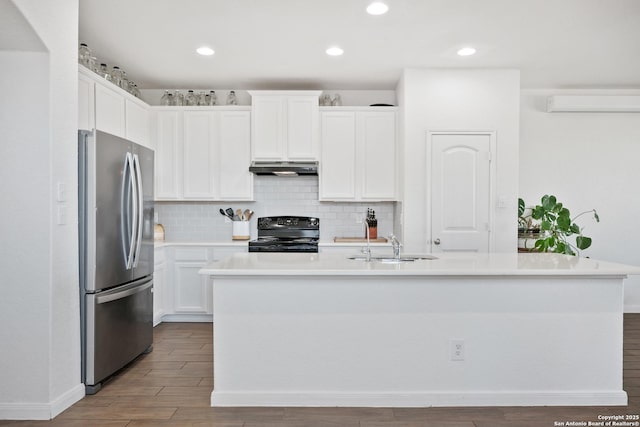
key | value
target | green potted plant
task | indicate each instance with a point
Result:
(555, 226)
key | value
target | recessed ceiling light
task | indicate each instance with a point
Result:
(377, 8)
(466, 51)
(205, 51)
(334, 51)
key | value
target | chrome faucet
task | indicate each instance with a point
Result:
(367, 250)
(395, 243)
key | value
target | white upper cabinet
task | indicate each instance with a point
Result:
(203, 153)
(168, 155)
(104, 106)
(235, 181)
(377, 131)
(109, 111)
(337, 165)
(86, 103)
(136, 122)
(199, 155)
(358, 161)
(284, 125)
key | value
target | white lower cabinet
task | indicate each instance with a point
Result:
(188, 295)
(159, 273)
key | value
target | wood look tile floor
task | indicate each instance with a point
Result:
(171, 387)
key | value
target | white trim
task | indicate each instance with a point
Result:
(632, 308)
(188, 318)
(41, 411)
(157, 318)
(421, 399)
(67, 399)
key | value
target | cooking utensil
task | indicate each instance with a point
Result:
(247, 214)
(223, 213)
(239, 214)
(229, 212)
(236, 218)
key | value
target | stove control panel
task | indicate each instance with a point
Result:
(288, 223)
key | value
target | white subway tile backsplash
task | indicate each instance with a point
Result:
(191, 221)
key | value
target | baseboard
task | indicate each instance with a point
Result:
(41, 411)
(632, 308)
(157, 318)
(207, 318)
(420, 400)
(67, 399)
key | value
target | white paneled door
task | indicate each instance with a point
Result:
(461, 191)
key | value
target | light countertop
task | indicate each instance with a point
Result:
(495, 264)
(240, 243)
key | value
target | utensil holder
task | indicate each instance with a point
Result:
(241, 230)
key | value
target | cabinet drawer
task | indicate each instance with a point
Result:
(190, 254)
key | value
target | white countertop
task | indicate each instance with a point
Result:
(495, 264)
(163, 243)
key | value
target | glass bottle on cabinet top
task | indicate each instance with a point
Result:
(190, 99)
(231, 99)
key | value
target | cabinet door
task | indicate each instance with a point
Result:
(109, 111)
(86, 106)
(168, 168)
(338, 164)
(377, 140)
(199, 155)
(235, 180)
(267, 128)
(190, 288)
(302, 127)
(136, 123)
(158, 292)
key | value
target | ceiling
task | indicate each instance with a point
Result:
(280, 44)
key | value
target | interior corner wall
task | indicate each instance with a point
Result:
(24, 252)
(40, 351)
(589, 161)
(458, 100)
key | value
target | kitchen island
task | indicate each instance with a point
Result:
(460, 330)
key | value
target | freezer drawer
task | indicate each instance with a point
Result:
(118, 328)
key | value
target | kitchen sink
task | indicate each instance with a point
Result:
(392, 260)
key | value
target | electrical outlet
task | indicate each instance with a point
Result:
(457, 349)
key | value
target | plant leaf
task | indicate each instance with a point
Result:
(548, 202)
(583, 242)
(595, 215)
(545, 225)
(564, 222)
(520, 207)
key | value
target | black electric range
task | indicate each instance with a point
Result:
(286, 234)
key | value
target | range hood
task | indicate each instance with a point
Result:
(284, 168)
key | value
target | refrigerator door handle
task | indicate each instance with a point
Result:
(139, 204)
(132, 211)
(108, 297)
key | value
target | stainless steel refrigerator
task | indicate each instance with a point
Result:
(116, 253)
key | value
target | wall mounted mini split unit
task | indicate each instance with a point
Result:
(594, 103)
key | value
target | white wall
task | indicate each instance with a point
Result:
(456, 99)
(40, 351)
(588, 160)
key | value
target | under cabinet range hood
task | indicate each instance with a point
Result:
(284, 168)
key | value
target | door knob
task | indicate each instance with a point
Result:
(437, 241)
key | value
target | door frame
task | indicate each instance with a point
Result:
(492, 179)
